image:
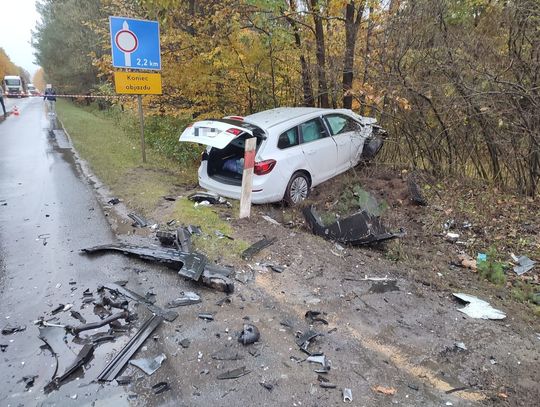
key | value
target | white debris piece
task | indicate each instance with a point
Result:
(478, 308)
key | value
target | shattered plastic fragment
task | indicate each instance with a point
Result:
(257, 247)
(149, 365)
(138, 220)
(28, 381)
(250, 334)
(206, 316)
(389, 391)
(8, 329)
(234, 374)
(362, 228)
(524, 265)
(188, 298)
(161, 387)
(478, 308)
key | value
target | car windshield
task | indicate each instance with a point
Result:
(13, 82)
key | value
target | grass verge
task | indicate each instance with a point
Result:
(113, 152)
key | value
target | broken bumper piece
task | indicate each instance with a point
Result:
(362, 228)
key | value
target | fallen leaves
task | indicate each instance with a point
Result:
(389, 391)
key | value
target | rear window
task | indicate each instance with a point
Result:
(288, 139)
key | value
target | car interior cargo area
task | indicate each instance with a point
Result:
(227, 165)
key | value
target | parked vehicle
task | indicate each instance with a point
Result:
(14, 86)
(297, 149)
(32, 90)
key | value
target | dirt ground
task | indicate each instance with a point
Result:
(400, 337)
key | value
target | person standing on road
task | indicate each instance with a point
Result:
(2, 101)
(50, 97)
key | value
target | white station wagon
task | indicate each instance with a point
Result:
(297, 149)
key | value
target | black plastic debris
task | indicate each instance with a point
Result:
(78, 316)
(322, 360)
(267, 386)
(207, 316)
(185, 343)
(171, 198)
(3, 347)
(183, 240)
(306, 339)
(166, 238)
(273, 267)
(149, 365)
(415, 194)
(161, 387)
(119, 361)
(28, 381)
(209, 197)
(113, 201)
(257, 247)
(189, 265)
(93, 325)
(9, 329)
(188, 298)
(222, 235)
(109, 302)
(362, 228)
(234, 374)
(58, 309)
(119, 290)
(124, 380)
(250, 334)
(315, 316)
(138, 221)
(380, 287)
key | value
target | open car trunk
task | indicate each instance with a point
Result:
(226, 139)
(227, 165)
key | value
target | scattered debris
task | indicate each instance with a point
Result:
(188, 298)
(347, 395)
(207, 316)
(234, 374)
(190, 265)
(221, 235)
(267, 386)
(452, 237)
(322, 360)
(118, 289)
(524, 264)
(210, 197)
(250, 334)
(56, 310)
(3, 347)
(184, 343)
(314, 316)
(149, 365)
(138, 220)
(124, 380)
(273, 267)
(389, 391)
(119, 361)
(170, 198)
(381, 287)
(460, 345)
(305, 340)
(28, 381)
(93, 325)
(8, 329)
(478, 308)
(257, 247)
(183, 240)
(113, 201)
(362, 228)
(166, 238)
(161, 387)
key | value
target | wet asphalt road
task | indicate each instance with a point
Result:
(47, 214)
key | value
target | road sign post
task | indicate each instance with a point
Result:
(135, 45)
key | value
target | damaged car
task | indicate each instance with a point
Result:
(297, 148)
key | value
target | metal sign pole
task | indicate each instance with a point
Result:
(141, 119)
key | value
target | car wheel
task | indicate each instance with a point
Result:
(297, 189)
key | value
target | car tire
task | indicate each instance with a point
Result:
(297, 189)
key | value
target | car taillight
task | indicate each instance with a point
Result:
(264, 167)
(234, 131)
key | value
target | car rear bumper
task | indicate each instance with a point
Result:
(262, 191)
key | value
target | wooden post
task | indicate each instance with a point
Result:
(141, 119)
(247, 177)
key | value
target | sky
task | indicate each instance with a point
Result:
(18, 19)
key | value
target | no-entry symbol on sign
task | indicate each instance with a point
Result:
(135, 43)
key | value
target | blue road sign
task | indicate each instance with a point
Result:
(135, 43)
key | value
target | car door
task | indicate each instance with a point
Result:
(349, 137)
(320, 150)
